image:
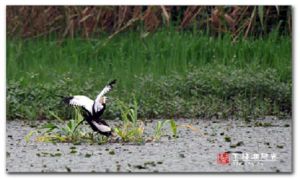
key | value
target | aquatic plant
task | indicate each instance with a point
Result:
(70, 132)
(130, 130)
(158, 131)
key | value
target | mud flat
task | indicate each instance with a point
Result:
(261, 146)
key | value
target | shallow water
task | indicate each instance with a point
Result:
(196, 150)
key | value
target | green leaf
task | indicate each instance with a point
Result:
(173, 127)
(28, 136)
(166, 121)
(65, 130)
(49, 126)
(56, 116)
(117, 130)
(69, 126)
(159, 125)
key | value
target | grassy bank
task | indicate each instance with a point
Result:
(172, 74)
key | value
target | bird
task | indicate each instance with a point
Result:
(93, 109)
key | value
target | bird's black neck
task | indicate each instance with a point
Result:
(96, 115)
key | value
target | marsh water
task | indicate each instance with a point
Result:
(202, 146)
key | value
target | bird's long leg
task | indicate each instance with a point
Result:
(77, 126)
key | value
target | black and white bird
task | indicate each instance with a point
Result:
(93, 109)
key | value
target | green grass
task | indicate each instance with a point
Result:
(172, 74)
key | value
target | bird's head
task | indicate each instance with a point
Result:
(103, 100)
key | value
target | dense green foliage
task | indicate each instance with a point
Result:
(172, 74)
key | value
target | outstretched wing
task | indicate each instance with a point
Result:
(106, 89)
(80, 100)
(99, 101)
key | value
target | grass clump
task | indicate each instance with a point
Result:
(68, 133)
(158, 129)
(158, 132)
(132, 130)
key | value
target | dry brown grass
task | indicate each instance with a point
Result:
(87, 21)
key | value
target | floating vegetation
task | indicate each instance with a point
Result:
(73, 152)
(280, 146)
(111, 152)
(240, 143)
(87, 155)
(263, 124)
(227, 139)
(56, 154)
(47, 154)
(150, 163)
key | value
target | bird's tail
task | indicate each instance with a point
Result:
(65, 99)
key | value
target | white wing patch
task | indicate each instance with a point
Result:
(98, 105)
(82, 101)
(101, 127)
(105, 90)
